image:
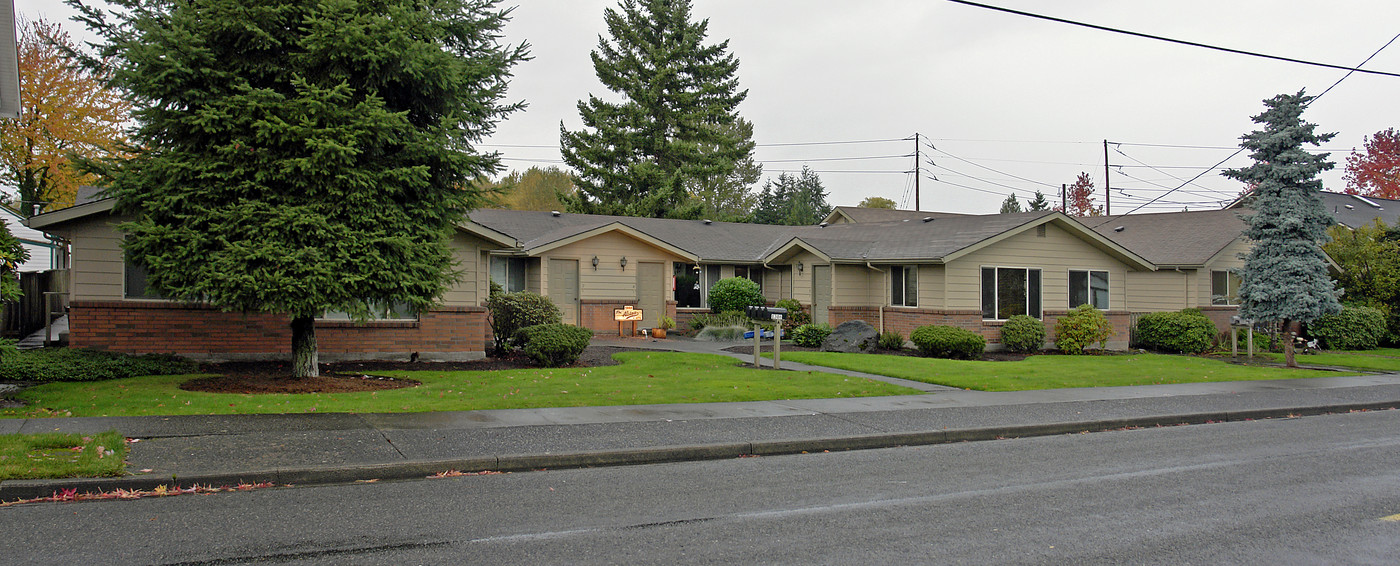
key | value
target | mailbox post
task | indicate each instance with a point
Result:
(767, 314)
(1235, 323)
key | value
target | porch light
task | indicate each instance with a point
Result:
(624, 262)
(799, 267)
(595, 263)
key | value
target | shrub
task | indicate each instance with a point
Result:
(512, 311)
(1023, 333)
(68, 364)
(666, 322)
(948, 342)
(555, 344)
(810, 335)
(734, 294)
(1355, 328)
(891, 340)
(1188, 331)
(796, 315)
(718, 320)
(1082, 327)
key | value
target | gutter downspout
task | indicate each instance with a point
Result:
(887, 294)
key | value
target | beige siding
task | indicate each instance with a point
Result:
(1224, 261)
(610, 280)
(777, 281)
(858, 285)
(472, 271)
(97, 259)
(1055, 254)
(1166, 290)
(931, 287)
(802, 281)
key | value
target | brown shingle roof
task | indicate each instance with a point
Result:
(1173, 238)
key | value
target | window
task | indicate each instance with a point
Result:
(688, 293)
(1224, 288)
(509, 273)
(134, 283)
(1088, 288)
(1009, 291)
(397, 310)
(904, 286)
(754, 274)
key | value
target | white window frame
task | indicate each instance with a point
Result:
(509, 261)
(1089, 288)
(1039, 313)
(1232, 288)
(904, 285)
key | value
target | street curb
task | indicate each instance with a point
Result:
(12, 490)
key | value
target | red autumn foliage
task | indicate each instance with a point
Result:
(1376, 173)
(1080, 197)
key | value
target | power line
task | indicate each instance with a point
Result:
(1177, 41)
(931, 146)
(833, 159)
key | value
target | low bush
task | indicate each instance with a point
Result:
(1355, 328)
(948, 342)
(734, 294)
(1188, 332)
(68, 364)
(510, 312)
(719, 320)
(810, 335)
(553, 345)
(1082, 327)
(1023, 333)
(796, 315)
(891, 341)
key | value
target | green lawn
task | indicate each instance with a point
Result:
(1385, 359)
(1052, 372)
(643, 378)
(55, 455)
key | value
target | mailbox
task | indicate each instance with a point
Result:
(1237, 320)
(765, 313)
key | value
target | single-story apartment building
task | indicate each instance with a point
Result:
(896, 270)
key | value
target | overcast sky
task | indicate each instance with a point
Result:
(1011, 104)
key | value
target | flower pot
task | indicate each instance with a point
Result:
(658, 332)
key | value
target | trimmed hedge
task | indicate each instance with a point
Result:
(1082, 327)
(891, 341)
(68, 364)
(1023, 333)
(1355, 328)
(810, 335)
(734, 294)
(553, 345)
(1187, 332)
(511, 312)
(948, 342)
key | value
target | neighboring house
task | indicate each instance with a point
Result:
(1352, 211)
(894, 269)
(44, 252)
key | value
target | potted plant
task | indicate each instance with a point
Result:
(666, 323)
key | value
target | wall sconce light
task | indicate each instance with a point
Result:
(624, 262)
(595, 263)
(799, 267)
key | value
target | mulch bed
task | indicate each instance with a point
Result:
(351, 377)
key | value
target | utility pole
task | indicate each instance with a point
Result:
(917, 170)
(1064, 205)
(1107, 209)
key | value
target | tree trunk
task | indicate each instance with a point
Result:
(304, 360)
(1288, 358)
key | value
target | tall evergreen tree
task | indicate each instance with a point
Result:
(793, 200)
(1285, 275)
(730, 197)
(1039, 202)
(1010, 205)
(674, 126)
(298, 156)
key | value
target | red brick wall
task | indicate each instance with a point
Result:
(904, 320)
(159, 327)
(597, 315)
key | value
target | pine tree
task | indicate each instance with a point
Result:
(673, 129)
(1010, 205)
(12, 254)
(792, 200)
(1285, 275)
(300, 156)
(1039, 202)
(730, 197)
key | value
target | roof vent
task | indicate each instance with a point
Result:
(1366, 200)
(554, 213)
(928, 219)
(708, 222)
(823, 224)
(1117, 228)
(1349, 207)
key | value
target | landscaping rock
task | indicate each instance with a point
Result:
(852, 336)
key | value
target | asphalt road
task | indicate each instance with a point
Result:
(1288, 491)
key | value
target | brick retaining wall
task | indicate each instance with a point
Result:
(905, 319)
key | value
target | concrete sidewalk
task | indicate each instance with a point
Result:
(335, 448)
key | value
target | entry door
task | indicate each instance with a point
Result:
(563, 287)
(650, 297)
(821, 292)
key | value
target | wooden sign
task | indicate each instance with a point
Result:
(627, 314)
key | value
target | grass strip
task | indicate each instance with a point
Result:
(642, 378)
(1375, 360)
(60, 455)
(1053, 372)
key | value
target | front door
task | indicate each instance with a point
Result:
(821, 292)
(563, 287)
(650, 293)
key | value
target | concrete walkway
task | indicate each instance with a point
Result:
(309, 449)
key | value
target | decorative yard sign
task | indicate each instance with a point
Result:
(625, 315)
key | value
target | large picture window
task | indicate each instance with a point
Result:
(509, 273)
(1224, 288)
(1088, 288)
(398, 310)
(1009, 291)
(904, 286)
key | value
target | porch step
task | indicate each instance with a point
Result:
(36, 339)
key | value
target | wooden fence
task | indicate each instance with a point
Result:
(20, 318)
